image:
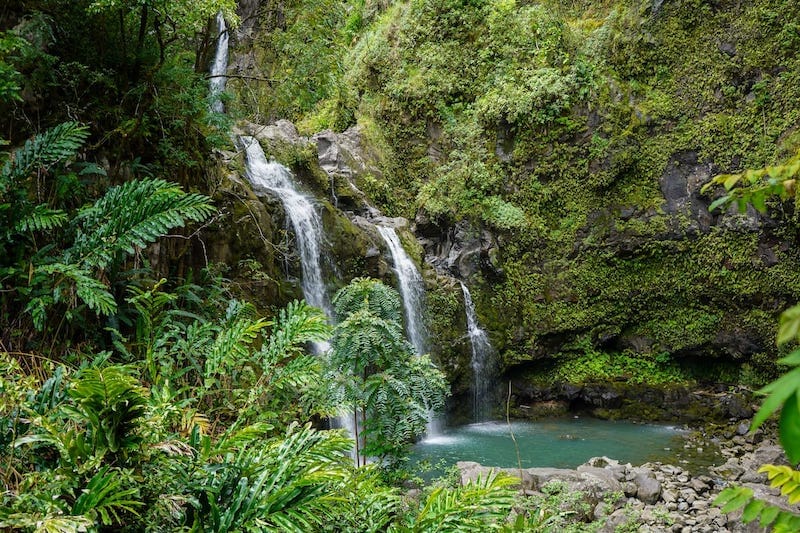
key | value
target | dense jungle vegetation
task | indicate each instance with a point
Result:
(140, 390)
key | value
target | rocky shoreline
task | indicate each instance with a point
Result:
(608, 496)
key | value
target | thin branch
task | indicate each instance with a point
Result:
(241, 77)
(513, 438)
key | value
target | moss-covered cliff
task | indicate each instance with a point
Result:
(579, 138)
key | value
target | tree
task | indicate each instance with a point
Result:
(165, 21)
(374, 372)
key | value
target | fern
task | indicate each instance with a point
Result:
(482, 505)
(232, 345)
(41, 218)
(55, 145)
(368, 294)
(89, 289)
(111, 402)
(282, 484)
(297, 323)
(132, 215)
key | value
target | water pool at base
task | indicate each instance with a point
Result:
(562, 443)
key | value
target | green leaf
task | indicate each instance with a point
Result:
(778, 392)
(739, 498)
(789, 325)
(759, 201)
(752, 510)
(793, 359)
(731, 181)
(789, 428)
(769, 515)
(719, 202)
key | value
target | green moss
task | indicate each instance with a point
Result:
(466, 124)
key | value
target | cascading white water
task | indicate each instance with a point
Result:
(482, 360)
(412, 289)
(276, 179)
(219, 66)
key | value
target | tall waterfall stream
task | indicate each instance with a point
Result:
(412, 289)
(219, 66)
(483, 364)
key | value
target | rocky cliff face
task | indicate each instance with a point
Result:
(557, 168)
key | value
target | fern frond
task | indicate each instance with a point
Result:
(132, 215)
(368, 294)
(297, 324)
(478, 506)
(734, 498)
(281, 484)
(234, 339)
(41, 218)
(111, 402)
(54, 145)
(89, 289)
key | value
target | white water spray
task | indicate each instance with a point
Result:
(219, 66)
(277, 180)
(482, 360)
(412, 289)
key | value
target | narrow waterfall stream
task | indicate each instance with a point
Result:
(219, 66)
(276, 179)
(411, 288)
(482, 361)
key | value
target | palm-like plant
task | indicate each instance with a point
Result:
(67, 270)
(480, 505)
(283, 484)
(373, 369)
(110, 402)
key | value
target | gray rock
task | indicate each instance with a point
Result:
(669, 495)
(614, 521)
(700, 505)
(729, 49)
(688, 495)
(731, 470)
(769, 454)
(629, 488)
(648, 487)
(698, 485)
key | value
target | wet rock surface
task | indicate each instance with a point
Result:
(654, 496)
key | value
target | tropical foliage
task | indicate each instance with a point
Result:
(756, 187)
(389, 391)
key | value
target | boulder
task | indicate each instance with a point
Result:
(648, 488)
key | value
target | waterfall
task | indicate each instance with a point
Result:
(219, 66)
(482, 360)
(412, 289)
(276, 179)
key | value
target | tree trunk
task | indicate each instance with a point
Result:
(137, 65)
